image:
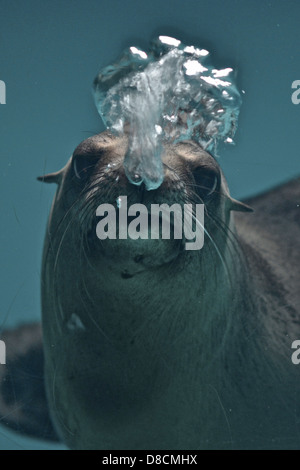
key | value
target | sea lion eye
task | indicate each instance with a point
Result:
(206, 182)
(82, 166)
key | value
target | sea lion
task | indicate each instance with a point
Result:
(150, 346)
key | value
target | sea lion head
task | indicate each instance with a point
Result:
(95, 176)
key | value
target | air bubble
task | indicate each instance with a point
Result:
(169, 94)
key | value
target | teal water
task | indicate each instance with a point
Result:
(50, 52)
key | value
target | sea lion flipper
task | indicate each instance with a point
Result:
(240, 206)
(55, 177)
(50, 178)
(23, 404)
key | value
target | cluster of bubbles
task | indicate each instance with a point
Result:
(169, 94)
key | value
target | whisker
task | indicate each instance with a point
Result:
(211, 239)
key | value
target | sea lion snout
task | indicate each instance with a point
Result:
(191, 178)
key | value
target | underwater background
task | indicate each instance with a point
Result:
(50, 52)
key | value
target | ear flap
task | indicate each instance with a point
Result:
(235, 205)
(51, 177)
